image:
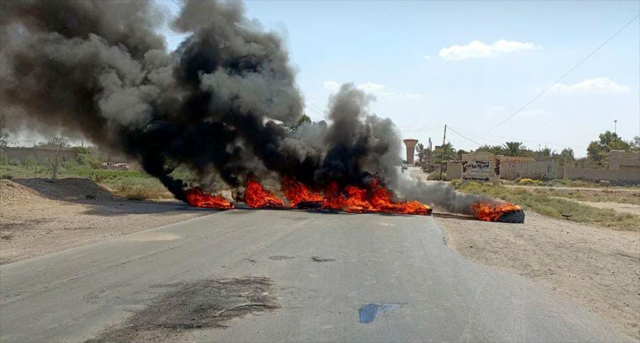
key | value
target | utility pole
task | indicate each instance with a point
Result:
(430, 155)
(615, 134)
(444, 139)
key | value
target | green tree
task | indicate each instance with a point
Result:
(567, 154)
(57, 143)
(514, 148)
(420, 152)
(292, 127)
(494, 149)
(544, 153)
(597, 151)
(635, 144)
(445, 153)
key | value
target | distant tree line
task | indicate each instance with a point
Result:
(597, 151)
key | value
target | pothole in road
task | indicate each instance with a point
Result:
(195, 305)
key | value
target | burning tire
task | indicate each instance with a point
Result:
(307, 205)
(513, 217)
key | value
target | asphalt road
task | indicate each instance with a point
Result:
(392, 280)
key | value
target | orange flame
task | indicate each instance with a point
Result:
(373, 199)
(257, 197)
(490, 212)
(196, 197)
(297, 193)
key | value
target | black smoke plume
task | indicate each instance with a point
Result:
(220, 103)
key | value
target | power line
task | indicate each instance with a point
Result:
(482, 135)
(177, 4)
(461, 135)
(315, 112)
(565, 74)
(318, 107)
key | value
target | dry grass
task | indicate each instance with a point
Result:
(135, 188)
(548, 205)
(604, 195)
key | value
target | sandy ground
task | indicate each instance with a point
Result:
(38, 217)
(596, 267)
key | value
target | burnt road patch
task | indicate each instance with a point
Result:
(195, 305)
(281, 257)
(321, 259)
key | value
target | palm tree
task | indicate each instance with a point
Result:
(514, 148)
(447, 152)
(420, 152)
(494, 149)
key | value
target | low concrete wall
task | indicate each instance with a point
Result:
(40, 155)
(619, 158)
(511, 170)
(624, 167)
(454, 170)
(626, 174)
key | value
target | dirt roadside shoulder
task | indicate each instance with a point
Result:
(32, 224)
(596, 267)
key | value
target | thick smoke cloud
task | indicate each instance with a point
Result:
(219, 105)
(439, 194)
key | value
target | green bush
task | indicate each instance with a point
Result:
(528, 182)
(456, 183)
(137, 188)
(436, 176)
(31, 161)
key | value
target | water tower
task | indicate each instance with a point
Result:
(411, 148)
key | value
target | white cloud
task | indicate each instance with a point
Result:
(595, 85)
(478, 49)
(377, 89)
(371, 87)
(427, 57)
(331, 85)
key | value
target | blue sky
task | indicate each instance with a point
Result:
(469, 65)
